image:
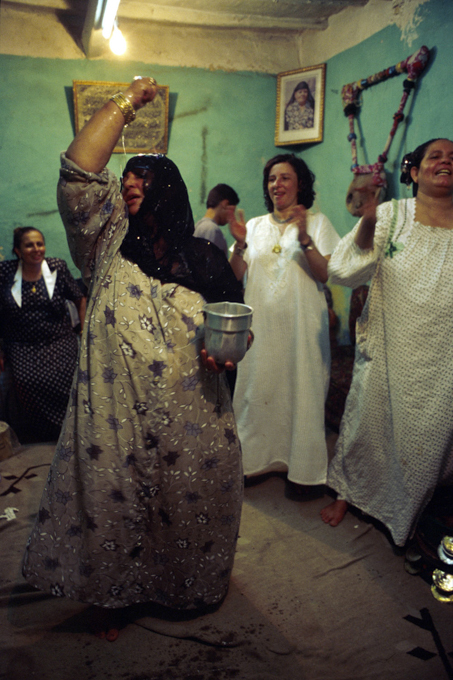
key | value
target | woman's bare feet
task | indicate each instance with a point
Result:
(105, 623)
(334, 512)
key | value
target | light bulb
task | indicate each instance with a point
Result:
(117, 42)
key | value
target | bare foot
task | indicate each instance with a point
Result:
(334, 512)
(112, 634)
(105, 623)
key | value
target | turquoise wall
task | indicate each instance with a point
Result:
(428, 114)
(221, 130)
(222, 126)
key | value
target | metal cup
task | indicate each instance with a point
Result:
(227, 327)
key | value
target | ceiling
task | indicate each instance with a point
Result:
(289, 15)
(282, 15)
(81, 18)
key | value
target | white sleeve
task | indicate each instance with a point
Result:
(323, 233)
(353, 266)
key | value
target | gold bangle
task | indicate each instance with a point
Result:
(124, 106)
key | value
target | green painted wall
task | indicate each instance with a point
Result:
(222, 126)
(428, 114)
(221, 130)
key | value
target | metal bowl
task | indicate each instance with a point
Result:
(227, 326)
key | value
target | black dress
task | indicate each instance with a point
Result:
(40, 349)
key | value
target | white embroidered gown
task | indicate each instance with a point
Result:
(283, 380)
(395, 443)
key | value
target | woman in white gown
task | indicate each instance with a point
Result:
(395, 443)
(279, 405)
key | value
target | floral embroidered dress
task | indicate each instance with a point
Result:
(144, 495)
(395, 443)
(297, 117)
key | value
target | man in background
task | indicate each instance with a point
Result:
(221, 203)
(222, 200)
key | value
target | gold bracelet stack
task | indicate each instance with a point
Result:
(124, 106)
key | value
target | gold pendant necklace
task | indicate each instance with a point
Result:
(277, 249)
(33, 289)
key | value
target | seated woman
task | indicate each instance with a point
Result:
(144, 497)
(39, 344)
(395, 443)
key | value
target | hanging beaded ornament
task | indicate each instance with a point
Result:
(414, 66)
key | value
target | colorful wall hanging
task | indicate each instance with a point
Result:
(372, 177)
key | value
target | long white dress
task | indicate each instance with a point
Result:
(283, 380)
(395, 443)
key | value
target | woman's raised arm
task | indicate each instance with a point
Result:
(93, 145)
(365, 234)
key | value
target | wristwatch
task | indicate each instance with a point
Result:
(239, 250)
(308, 246)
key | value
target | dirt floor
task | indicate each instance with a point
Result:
(306, 602)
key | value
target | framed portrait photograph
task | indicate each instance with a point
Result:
(300, 106)
(148, 133)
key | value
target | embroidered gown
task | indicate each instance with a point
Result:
(144, 495)
(395, 443)
(283, 380)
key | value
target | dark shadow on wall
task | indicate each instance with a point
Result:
(69, 94)
(73, 18)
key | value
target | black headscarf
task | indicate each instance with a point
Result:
(165, 219)
(303, 85)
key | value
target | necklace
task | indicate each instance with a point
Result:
(277, 249)
(33, 288)
(279, 221)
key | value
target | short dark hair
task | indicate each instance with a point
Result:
(413, 160)
(19, 233)
(306, 193)
(219, 193)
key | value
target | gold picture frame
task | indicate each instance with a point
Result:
(149, 131)
(297, 124)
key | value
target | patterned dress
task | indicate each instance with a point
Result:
(297, 117)
(395, 443)
(143, 499)
(40, 348)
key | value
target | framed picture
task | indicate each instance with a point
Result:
(300, 106)
(149, 131)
